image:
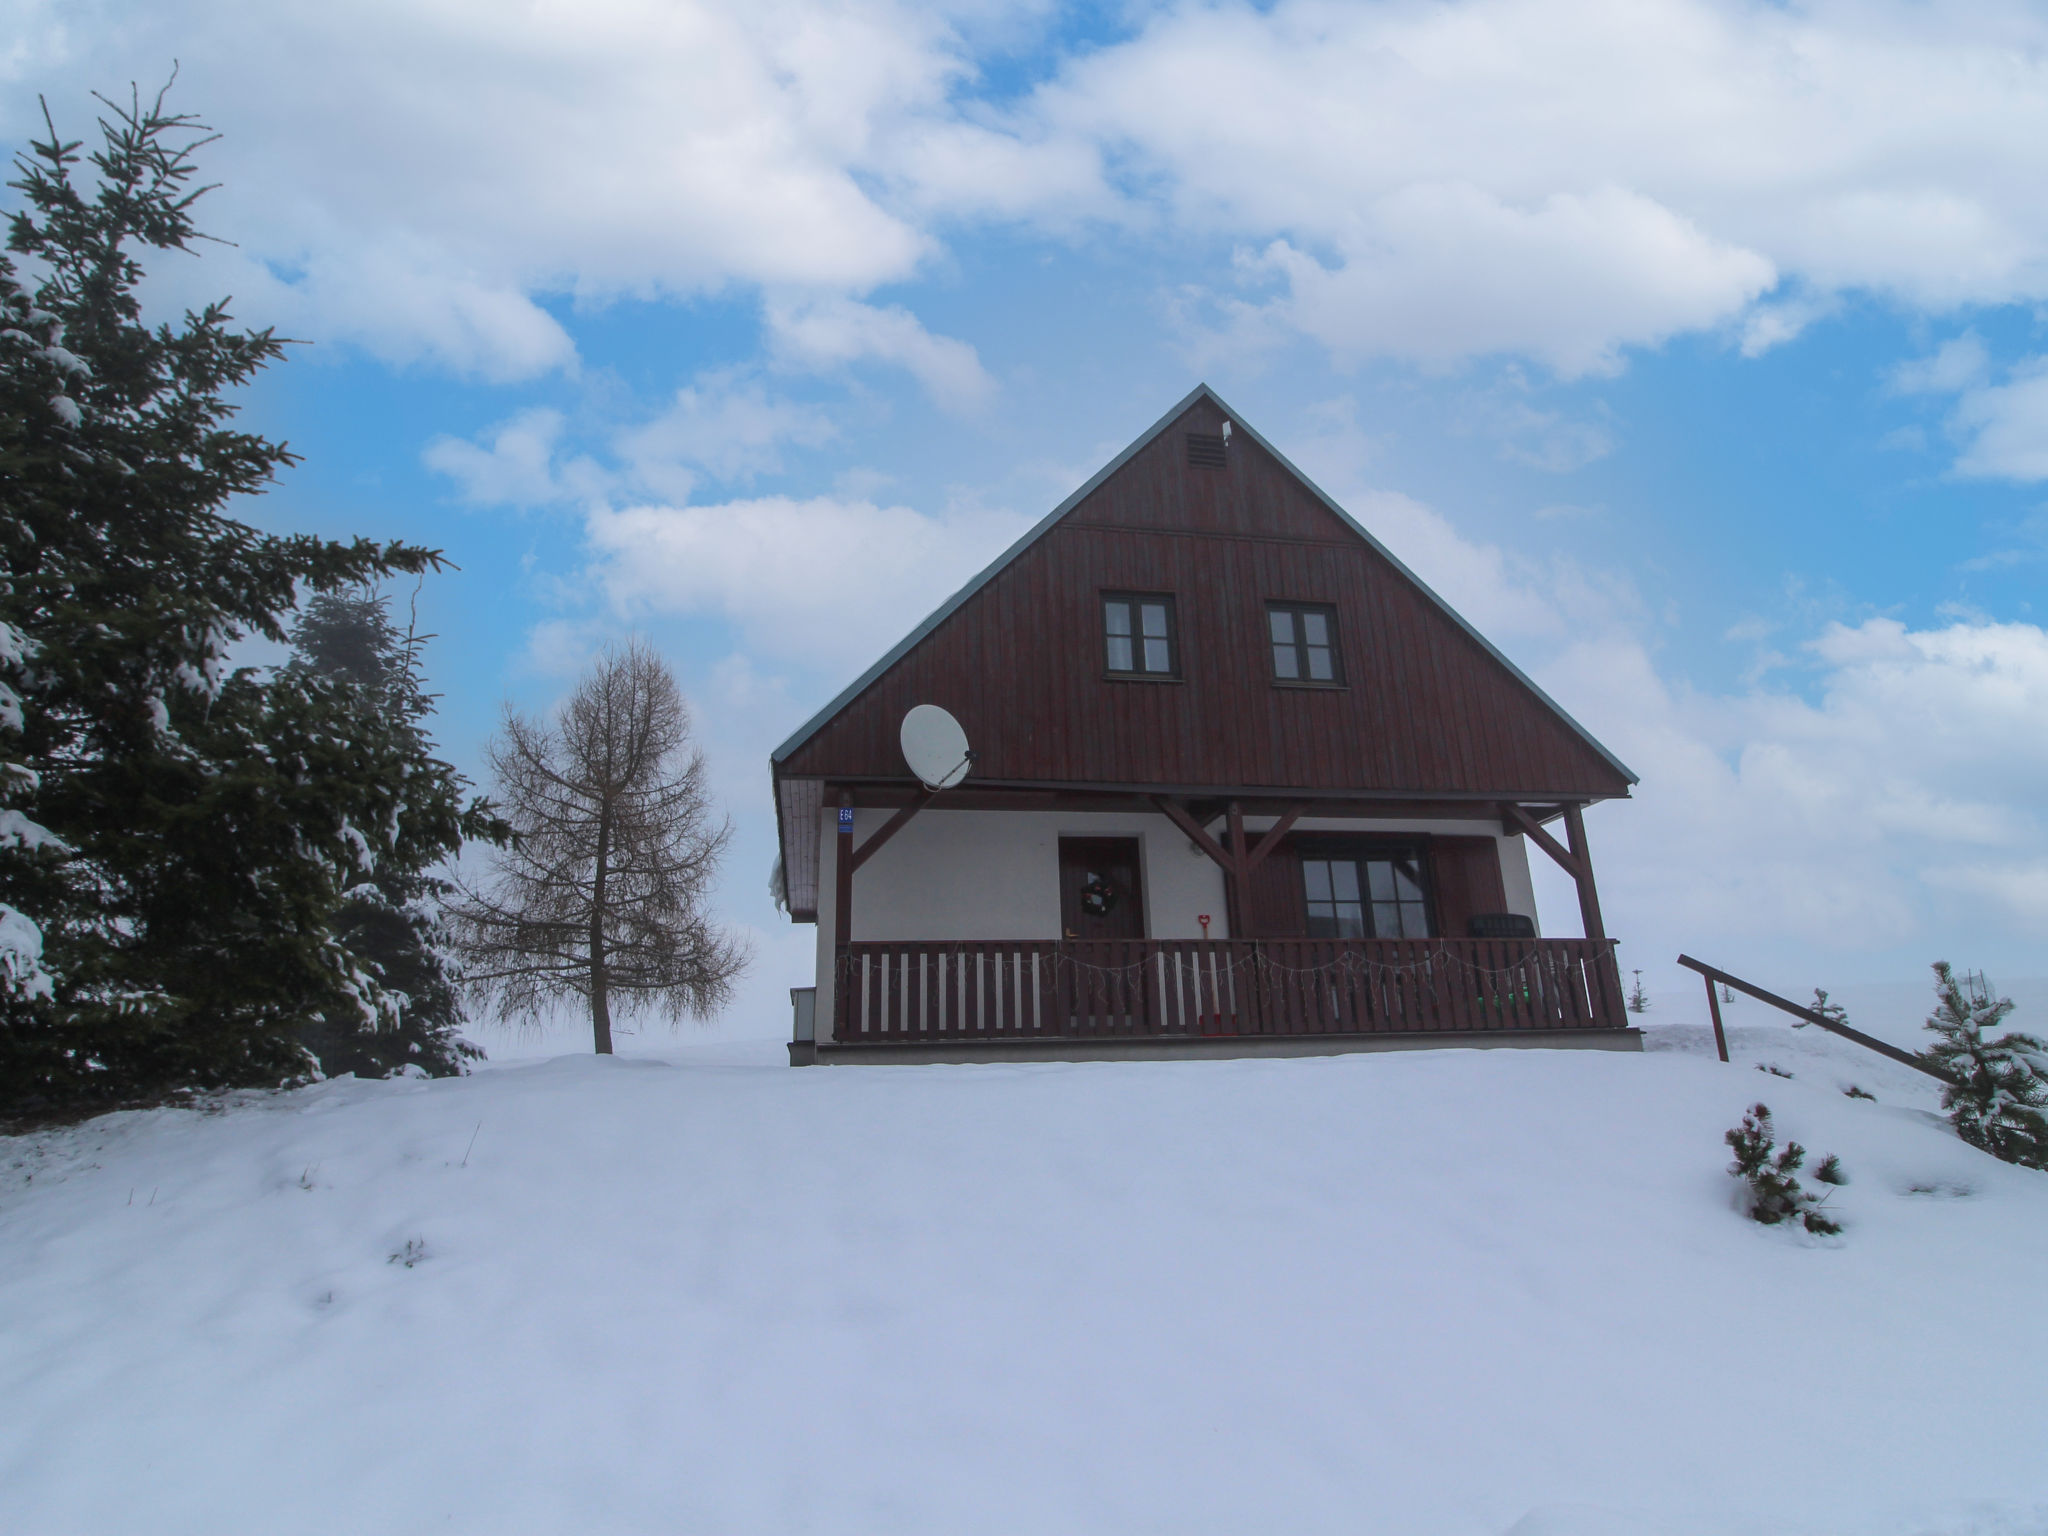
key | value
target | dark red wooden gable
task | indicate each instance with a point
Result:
(1426, 706)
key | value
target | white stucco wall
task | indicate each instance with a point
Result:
(995, 875)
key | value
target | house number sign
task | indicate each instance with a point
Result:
(846, 819)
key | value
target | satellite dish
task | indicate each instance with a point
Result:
(935, 747)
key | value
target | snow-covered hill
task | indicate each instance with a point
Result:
(1447, 1292)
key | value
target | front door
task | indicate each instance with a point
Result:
(1100, 897)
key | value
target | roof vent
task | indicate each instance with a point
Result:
(1206, 450)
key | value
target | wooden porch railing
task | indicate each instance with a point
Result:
(1043, 988)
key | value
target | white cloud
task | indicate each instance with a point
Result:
(1833, 828)
(719, 425)
(726, 427)
(2007, 426)
(1445, 272)
(517, 468)
(1570, 178)
(830, 333)
(1955, 365)
(416, 172)
(826, 582)
(1561, 179)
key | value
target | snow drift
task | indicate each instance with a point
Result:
(1459, 1292)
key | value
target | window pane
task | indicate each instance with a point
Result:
(1407, 880)
(1381, 874)
(1319, 664)
(1157, 658)
(1386, 920)
(1155, 618)
(1350, 920)
(1116, 618)
(1316, 628)
(1283, 626)
(1344, 879)
(1316, 874)
(1284, 662)
(1120, 653)
(1414, 920)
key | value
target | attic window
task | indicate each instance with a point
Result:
(1208, 450)
(1304, 643)
(1137, 633)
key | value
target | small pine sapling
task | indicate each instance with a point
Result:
(1775, 1193)
(1996, 1088)
(1827, 1010)
(1638, 999)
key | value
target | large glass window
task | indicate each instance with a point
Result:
(1373, 897)
(1138, 637)
(1304, 643)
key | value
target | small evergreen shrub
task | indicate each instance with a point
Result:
(1855, 1092)
(1827, 1010)
(1775, 1193)
(1996, 1087)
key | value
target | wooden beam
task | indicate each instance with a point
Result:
(1272, 838)
(1589, 895)
(1532, 829)
(1834, 1026)
(891, 827)
(1714, 1007)
(1197, 833)
(1237, 901)
(842, 914)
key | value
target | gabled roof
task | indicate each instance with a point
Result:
(1200, 393)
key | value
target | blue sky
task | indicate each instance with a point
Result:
(1695, 351)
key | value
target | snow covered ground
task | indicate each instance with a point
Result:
(695, 1291)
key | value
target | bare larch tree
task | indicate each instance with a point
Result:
(603, 895)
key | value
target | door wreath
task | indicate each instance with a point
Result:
(1098, 897)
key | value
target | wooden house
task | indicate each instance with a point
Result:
(1242, 784)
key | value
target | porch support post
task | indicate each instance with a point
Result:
(1237, 902)
(842, 868)
(1232, 856)
(1589, 897)
(1608, 1008)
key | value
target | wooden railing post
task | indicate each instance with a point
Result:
(1714, 1007)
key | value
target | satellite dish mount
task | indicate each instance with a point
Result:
(935, 747)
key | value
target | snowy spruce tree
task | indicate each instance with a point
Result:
(177, 835)
(1996, 1088)
(389, 917)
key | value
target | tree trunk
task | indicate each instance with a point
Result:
(600, 1004)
